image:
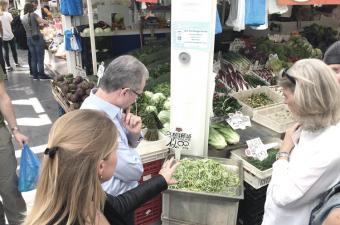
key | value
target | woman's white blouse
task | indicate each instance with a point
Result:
(295, 187)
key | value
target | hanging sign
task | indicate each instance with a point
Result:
(307, 2)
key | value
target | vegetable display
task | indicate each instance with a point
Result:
(319, 36)
(73, 90)
(228, 77)
(258, 100)
(229, 134)
(266, 163)
(205, 175)
(224, 104)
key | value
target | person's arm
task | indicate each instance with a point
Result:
(133, 125)
(290, 183)
(134, 198)
(129, 165)
(1, 30)
(40, 20)
(7, 111)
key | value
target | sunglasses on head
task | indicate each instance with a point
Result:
(289, 77)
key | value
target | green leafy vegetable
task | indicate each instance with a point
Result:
(229, 134)
(205, 175)
(216, 139)
(266, 163)
(164, 116)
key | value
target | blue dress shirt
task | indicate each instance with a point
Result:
(129, 167)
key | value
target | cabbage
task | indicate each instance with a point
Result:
(164, 116)
(227, 132)
(98, 30)
(166, 128)
(86, 31)
(148, 94)
(157, 98)
(151, 108)
(107, 30)
(166, 104)
(216, 139)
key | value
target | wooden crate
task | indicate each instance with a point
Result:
(61, 100)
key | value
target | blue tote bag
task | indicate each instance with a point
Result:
(71, 7)
(29, 170)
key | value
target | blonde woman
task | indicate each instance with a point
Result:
(81, 154)
(308, 162)
(8, 36)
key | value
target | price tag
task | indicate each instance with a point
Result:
(179, 141)
(100, 71)
(238, 121)
(256, 149)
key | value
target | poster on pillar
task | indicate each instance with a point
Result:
(148, 1)
(191, 35)
(307, 2)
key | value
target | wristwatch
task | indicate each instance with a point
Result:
(282, 154)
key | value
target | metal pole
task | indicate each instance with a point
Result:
(92, 37)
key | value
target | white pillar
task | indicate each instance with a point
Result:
(92, 37)
(192, 38)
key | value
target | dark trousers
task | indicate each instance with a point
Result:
(37, 53)
(2, 61)
(11, 43)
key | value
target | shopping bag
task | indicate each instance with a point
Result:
(71, 7)
(29, 170)
(255, 12)
(72, 40)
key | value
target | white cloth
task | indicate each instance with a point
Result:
(296, 185)
(237, 15)
(6, 19)
(273, 7)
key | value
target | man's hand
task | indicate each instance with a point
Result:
(132, 123)
(20, 138)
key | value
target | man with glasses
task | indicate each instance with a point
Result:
(123, 81)
(332, 58)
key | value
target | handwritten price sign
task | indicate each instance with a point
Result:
(179, 141)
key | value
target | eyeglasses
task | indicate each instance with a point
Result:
(289, 77)
(135, 92)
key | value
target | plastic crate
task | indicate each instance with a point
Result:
(248, 110)
(151, 169)
(277, 118)
(252, 175)
(151, 211)
(186, 207)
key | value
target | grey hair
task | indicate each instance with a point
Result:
(124, 72)
(316, 94)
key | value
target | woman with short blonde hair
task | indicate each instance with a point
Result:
(81, 154)
(316, 95)
(308, 162)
